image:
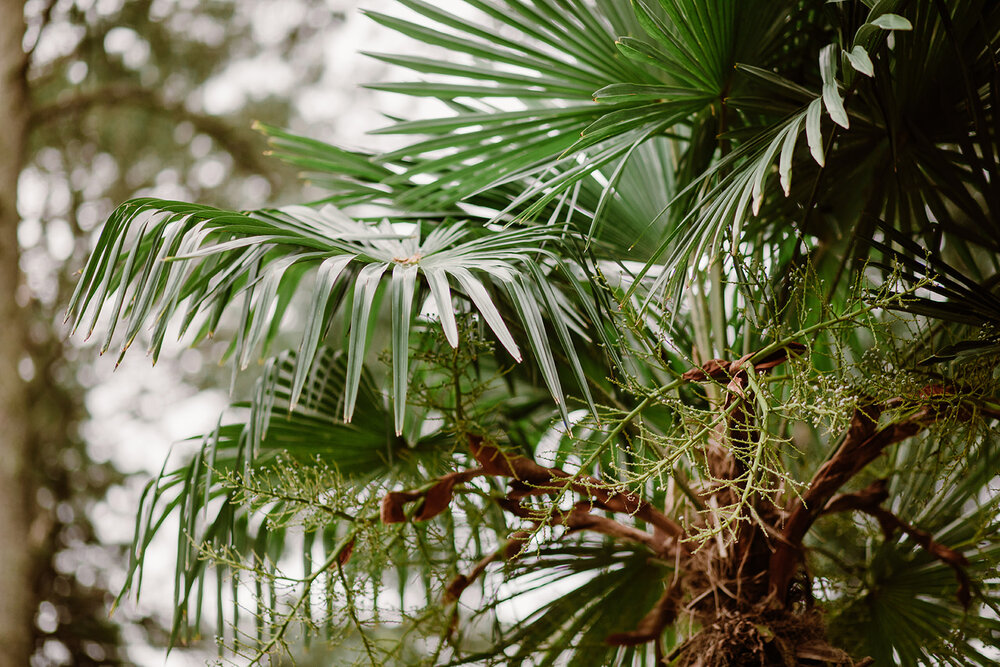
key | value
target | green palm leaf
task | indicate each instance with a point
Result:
(208, 495)
(670, 206)
(190, 261)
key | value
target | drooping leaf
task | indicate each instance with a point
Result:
(892, 22)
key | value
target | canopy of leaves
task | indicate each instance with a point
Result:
(728, 233)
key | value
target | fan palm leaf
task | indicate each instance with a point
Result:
(729, 230)
(190, 261)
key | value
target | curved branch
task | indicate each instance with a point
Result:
(225, 134)
(862, 444)
(869, 501)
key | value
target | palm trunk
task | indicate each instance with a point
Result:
(16, 589)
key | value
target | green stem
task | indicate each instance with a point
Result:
(675, 475)
(354, 615)
(801, 333)
(718, 310)
(702, 325)
(635, 412)
(333, 558)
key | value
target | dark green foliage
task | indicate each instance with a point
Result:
(676, 206)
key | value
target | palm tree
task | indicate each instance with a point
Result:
(690, 315)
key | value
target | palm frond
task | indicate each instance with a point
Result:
(243, 477)
(909, 596)
(191, 261)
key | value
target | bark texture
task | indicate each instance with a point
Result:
(16, 580)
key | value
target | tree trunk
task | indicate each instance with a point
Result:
(16, 580)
